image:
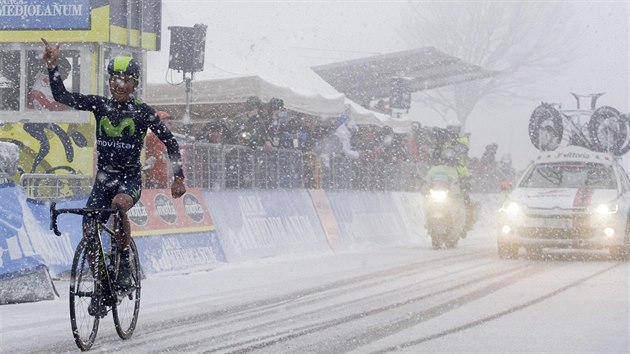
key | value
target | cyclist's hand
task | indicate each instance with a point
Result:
(178, 188)
(51, 54)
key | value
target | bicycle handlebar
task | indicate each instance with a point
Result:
(89, 212)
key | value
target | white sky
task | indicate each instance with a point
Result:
(318, 32)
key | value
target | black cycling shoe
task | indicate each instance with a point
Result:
(124, 281)
(97, 308)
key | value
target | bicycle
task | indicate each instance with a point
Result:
(93, 278)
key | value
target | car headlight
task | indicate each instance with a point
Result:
(512, 208)
(606, 209)
(438, 195)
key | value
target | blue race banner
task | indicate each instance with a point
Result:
(367, 217)
(170, 252)
(410, 208)
(24, 276)
(56, 251)
(159, 252)
(44, 14)
(255, 224)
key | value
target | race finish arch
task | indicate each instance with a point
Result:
(52, 138)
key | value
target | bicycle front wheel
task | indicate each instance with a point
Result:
(82, 288)
(128, 305)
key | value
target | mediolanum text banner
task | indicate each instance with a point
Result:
(45, 14)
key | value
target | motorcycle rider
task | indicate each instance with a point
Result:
(458, 143)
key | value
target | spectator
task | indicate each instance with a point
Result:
(250, 126)
(506, 173)
(346, 127)
(295, 134)
(337, 143)
(40, 97)
(216, 132)
(276, 117)
(249, 130)
(314, 132)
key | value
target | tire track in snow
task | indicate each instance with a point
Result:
(206, 322)
(498, 314)
(267, 339)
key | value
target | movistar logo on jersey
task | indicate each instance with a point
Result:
(105, 127)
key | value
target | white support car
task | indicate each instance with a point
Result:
(568, 198)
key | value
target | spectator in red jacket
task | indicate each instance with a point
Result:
(40, 97)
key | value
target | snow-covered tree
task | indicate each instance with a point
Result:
(526, 42)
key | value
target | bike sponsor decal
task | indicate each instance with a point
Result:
(165, 209)
(193, 208)
(138, 214)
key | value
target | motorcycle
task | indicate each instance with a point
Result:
(444, 207)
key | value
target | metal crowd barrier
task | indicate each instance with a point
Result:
(220, 167)
(224, 167)
(50, 186)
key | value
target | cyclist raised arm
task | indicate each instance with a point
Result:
(121, 124)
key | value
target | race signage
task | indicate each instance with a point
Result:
(157, 213)
(45, 14)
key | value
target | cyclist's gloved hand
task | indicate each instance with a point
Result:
(178, 188)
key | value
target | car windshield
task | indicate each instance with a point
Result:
(567, 175)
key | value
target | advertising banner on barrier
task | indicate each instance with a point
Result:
(367, 217)
(255, 224)
(326, 217)
(410, 209)
(23, 273)
(16, 248)
(157, 213)
(180, 246)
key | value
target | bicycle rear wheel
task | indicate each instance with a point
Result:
(128, 306)
(82, 287)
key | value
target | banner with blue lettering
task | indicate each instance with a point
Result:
(160, 252)
(45, 15)
(57, 251)
(256, 224)
(367, 217)
(17, 251)
(410, 209)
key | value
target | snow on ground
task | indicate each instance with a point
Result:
(370, 299)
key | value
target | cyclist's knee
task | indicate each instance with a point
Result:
(122, 202)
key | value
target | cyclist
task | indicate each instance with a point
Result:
(121, 124)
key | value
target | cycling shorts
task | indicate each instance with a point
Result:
(108, 184)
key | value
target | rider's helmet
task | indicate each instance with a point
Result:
(448, 156)
(124, 65)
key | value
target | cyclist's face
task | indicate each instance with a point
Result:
(122, 86)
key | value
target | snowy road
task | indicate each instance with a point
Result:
(410, 299)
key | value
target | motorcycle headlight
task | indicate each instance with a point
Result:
(606, 209)
(438, 195)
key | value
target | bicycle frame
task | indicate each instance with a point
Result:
(91, 280)
(97, 263)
